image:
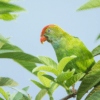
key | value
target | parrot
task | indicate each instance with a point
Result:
(65, 45)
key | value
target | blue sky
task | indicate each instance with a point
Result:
(25, 33)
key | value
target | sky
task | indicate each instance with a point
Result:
(25, 33)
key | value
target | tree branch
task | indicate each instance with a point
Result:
(70, 96)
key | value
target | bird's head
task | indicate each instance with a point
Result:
(51, 33)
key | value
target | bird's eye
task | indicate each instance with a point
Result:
(49, 30)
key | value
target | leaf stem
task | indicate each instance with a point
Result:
(51, 98)
(67, 89)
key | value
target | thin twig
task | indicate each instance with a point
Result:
(70, 96)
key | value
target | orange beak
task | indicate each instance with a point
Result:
(43, 39)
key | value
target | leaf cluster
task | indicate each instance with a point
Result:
(7, 10)
(21, 94)
(65, 79)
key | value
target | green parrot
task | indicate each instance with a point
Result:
(66, 45)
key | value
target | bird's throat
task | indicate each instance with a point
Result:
(60, 48)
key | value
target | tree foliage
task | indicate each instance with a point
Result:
(6, 8)
(48, 83)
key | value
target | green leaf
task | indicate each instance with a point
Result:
(8, 46)
(3, 39)
(4, 81)
(46, 82)
(96, 66)
(1, 98)
(98, 37)
(22, 92)
(10, 51)
(97, 88)
(12, 96)
(8, 17)
(96, 51)
(94, 96)
(52, 88)
(49, 77)
(41, 94)
(13, 52)
(8, 94)
(6, 8)
(48, 61)
(38, 84)
(90, 4)
(1, 44)
(46, 68)
(88, 82)
(27, 65)
(71, 81)
(53, 79)
(5, 0)
(3, 93)
(65, 76)
(19, 94)
(63, 62)
(16, 55)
